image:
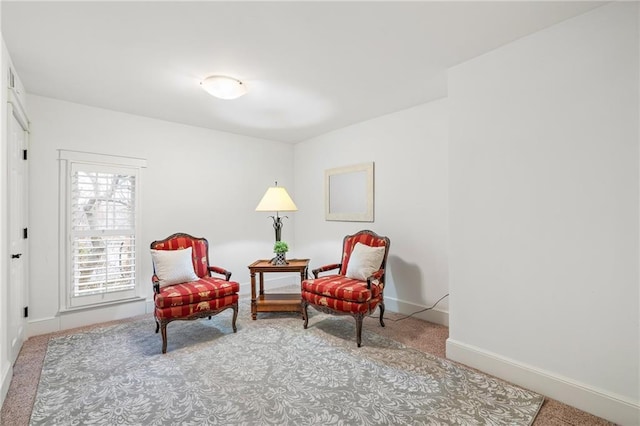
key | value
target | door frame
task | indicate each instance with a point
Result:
(16, 110)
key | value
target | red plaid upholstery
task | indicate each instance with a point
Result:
(207, 296)
(207, 288)
(341, 305)
(341, 287)
(200, 249)
(184, 311)
(351, 241)
(338, 294)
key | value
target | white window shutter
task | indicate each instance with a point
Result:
(103, 230)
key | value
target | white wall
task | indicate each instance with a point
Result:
(198, 181)
(5, 365)
(544, 212)
(409, 149)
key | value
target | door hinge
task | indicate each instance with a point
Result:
(24, 154)
(26, 312)
(25, 233)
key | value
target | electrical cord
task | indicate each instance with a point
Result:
(417, 312)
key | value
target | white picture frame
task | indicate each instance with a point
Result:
(349, 193)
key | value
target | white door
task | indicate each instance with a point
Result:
(17, 232)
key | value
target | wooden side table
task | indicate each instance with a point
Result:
(275, 302)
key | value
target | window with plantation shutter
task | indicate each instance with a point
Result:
(101, 242)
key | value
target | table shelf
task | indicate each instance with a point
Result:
(275, 302)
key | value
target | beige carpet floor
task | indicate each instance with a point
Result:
(422, 335)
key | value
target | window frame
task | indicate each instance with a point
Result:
(68, 162)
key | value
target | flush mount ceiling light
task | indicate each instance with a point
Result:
(223, 87)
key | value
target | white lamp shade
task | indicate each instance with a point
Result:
(276, 199)
(223, 87)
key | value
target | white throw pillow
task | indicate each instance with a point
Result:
(364, 261)
(174, 266)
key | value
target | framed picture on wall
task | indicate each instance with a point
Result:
(349, 193)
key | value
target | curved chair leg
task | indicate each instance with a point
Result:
(235, 316)
(157, 325)
(359, 329)
(381, 313)
(305, 314)
(163, 327)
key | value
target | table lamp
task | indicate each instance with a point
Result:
(276, 199)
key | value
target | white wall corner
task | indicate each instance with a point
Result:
(638, 138)
(607, 405)
(436, 316)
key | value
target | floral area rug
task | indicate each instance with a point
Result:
(271, 371)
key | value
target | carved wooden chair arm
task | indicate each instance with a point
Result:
(376, 278)
(325, 268)
(156, 283)
(221, 271)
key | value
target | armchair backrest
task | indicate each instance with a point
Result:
(368, 238)
(200, 251)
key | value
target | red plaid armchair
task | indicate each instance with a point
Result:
(358, 286)
(183, 284)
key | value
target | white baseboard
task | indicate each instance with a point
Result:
(37, 327)
(6, 382)
(434, 315)
(149, 306)
(80, 318)
(601, 403)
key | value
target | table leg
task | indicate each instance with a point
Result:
(254, 303)
(261, 284)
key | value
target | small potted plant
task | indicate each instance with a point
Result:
(280, 248)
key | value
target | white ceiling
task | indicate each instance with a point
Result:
(311, 67)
